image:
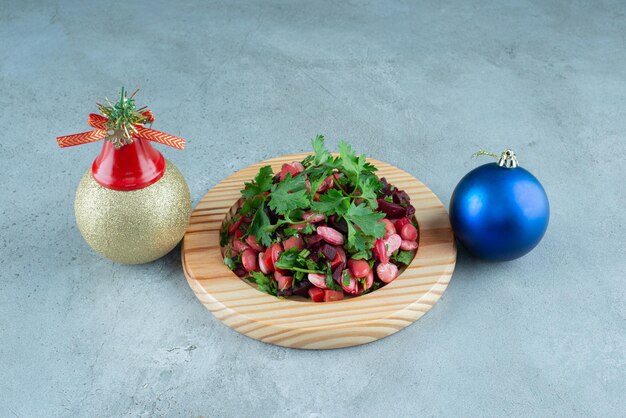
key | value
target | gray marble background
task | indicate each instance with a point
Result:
(419, 84)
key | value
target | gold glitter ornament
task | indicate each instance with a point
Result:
(132, 206)
(134, 227)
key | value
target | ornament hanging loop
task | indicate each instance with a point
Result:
(508, 159)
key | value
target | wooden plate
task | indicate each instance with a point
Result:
(301, 323)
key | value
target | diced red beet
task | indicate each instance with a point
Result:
(338, 273)
(339, 259)
(408, 232)
(410, 210)
(313, 240)
(380, 251)
(251, 241)
(285, 293)
(294, 242)
(330, 235)
(301, 288)
(284, 282)
(316, 294)
(359, 268)
(387, 272)
(328, 251)
(238, 233)
(318, 280)
(332, 295)
(240, 272)
(387, 188)
(249, 260)
(401, 197)
(392, 210)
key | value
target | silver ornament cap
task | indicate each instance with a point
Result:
(508, 159)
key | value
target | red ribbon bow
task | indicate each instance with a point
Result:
(99, 122)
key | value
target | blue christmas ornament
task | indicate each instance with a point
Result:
(499, 211)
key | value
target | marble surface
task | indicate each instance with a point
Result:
(422, 85)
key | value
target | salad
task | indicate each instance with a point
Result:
(326, 227)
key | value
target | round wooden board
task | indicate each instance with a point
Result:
(304, 324)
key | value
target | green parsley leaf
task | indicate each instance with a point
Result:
(229, 263)
(331, 202)
(369, 185)
(264, 283)
(352, 164)
(309, 229)
(224, 237)
(404, 257)
(366, 219)
(357, 241)
(345, 279)
(258, 227)
(296, 260)
(262, 183)
(289, 194)
(290, 232)
(362, 255)
(330, 283)
(321, 153)
(250, 205)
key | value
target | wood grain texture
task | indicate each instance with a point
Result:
(301, 323)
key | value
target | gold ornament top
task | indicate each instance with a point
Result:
(122, 118)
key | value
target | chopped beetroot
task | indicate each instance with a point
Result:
(316, 294)
(312, 240)
(401, 197)
(387, 189)
(332, 295)
(328, 251)
(410, 211)
(338, 273)
(392, 210)
(301, 288)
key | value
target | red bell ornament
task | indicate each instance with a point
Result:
(132, 206)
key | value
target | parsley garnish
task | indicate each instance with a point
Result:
(289, 194)
(264, 283)
(404, 257)
(262, 183)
